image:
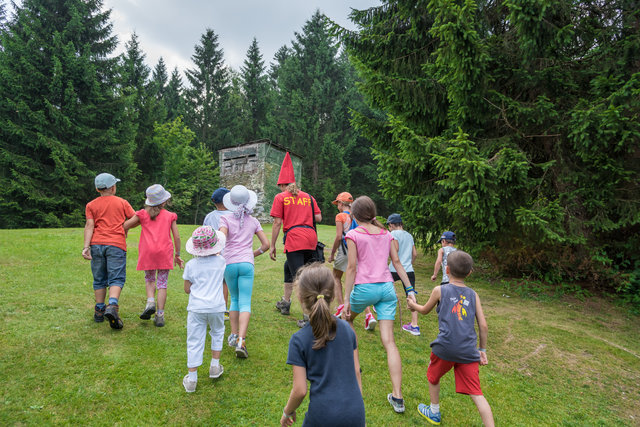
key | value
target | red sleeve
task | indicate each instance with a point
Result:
(174, 217)
(277, 209)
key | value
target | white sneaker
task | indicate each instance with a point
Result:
(189, 386)
(232, 340)
(215, 371)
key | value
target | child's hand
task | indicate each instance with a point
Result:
(287, 421)
(331, 258)
(86, 253)
(346, 311)
(433, 278)
(178, 261)
(483, 358)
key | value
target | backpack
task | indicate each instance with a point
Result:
(353, 225)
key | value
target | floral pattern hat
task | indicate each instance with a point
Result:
(206, 241)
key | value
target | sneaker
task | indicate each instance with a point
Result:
(111, 313)
(285, 308)
(413, 330)
(226, 316)
(189, 386)
(158, 320)
(98, 315)
(303, 322)
(339, 310)
(432, 417)
(215, 371)
(232, 340)
(149, 309)
(241, 352)
(279, 304)
(370, 322)
(397, 406)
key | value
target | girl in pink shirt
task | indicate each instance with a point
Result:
(156, 250)
(239, 229)
(369, 282)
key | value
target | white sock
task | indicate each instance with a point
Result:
(151, 299)
(193, 376)
(215, 362)
(435, 408)
(239, 343)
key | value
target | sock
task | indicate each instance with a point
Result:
(161, 312)
(100, 306)
(240, 341)
(193, 376)
(152, 299)
(397, 400)
(435, 408)
(113, 301)
(215, 362)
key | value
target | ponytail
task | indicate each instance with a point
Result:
(293, 189)
(315, 287)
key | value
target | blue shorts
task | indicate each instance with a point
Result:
(109, 266)
(381, 295)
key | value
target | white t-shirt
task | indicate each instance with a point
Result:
(205, 274)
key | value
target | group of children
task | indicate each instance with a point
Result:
(325, 351)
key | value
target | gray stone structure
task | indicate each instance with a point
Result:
(256, 165)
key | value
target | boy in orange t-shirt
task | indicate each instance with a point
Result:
(105, 245)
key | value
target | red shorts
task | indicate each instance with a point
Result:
(467, 374)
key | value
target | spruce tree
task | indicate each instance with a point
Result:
(174, 101)
(256, 89)
(61, 119)
(158, 90)
(207, 97)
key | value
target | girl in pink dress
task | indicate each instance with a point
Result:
(369, 282)
(156, 250)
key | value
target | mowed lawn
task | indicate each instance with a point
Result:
(555, 361)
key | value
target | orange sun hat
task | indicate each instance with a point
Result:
(343, 197)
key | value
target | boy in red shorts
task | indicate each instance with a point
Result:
(458, 307)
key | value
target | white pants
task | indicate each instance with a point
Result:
(197, 334)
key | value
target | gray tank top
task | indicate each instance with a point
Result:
(457, 340)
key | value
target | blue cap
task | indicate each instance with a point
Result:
(105, 180)
(217, 195)
(448, 235)
(394, 218)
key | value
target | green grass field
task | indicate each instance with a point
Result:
(558, 361)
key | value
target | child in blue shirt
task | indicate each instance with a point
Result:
(458, 308)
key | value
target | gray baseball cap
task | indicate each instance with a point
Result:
(105, 180)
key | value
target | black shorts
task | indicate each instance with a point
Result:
(295, 260)
(411, 275)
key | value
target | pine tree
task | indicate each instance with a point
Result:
(514, 123)
(207, 98)
(158, 90)
(61, 120)
(256, 89)
(174, 101)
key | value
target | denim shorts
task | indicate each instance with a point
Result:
(382, 296)
(108, 265)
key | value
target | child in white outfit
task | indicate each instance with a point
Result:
(203, 282)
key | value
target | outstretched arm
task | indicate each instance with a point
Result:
(432, 302)
(408, 288)
(264, 244)
(132, 222)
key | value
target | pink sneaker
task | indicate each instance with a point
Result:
(369, 322)
(339, 310)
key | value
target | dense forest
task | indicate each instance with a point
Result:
(515, 123)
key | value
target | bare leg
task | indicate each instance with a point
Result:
(114, 292)
(162, 299)
(150, 287)
(215, 354)
(100, 295)
(484, 409)
(337, 288)
(393, 357)
(434, 393)
(234, 319)
(288, 290)
(414, 318)
(244, 323)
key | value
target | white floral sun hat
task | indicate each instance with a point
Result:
(206, 241)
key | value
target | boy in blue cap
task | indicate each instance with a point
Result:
(213, 219)
(448, 242)
(105, 246)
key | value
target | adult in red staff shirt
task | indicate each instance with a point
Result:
(292, 210)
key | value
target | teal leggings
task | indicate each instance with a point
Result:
(239, 278)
